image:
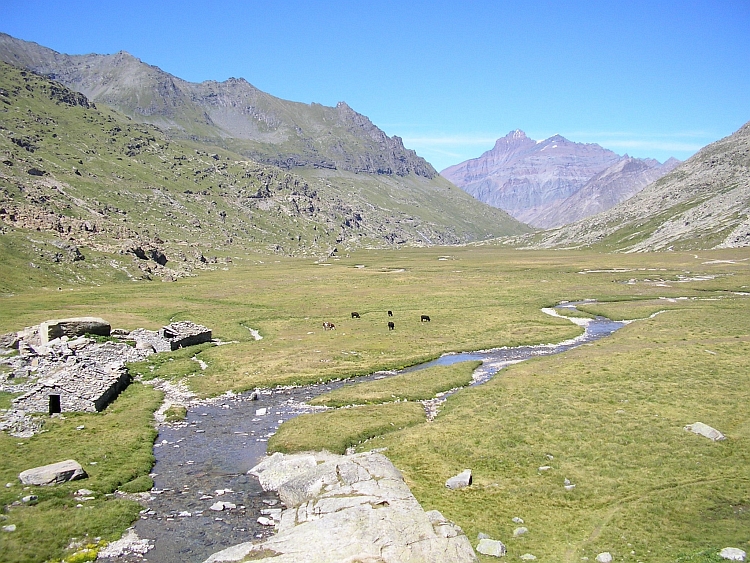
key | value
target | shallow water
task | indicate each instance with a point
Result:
(205, 459)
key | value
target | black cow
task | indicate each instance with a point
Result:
(390, 313)
(391, 325)
(425, 319)
(355, 315)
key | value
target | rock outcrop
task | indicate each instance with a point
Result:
(348, 508)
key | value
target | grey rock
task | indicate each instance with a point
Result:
(604, 557)
(520, 531)
(30, 499)
(517, 520)
(733, 554)
(495, 548)
(350, 508)
(9, 528)
(61, 472)
(459, 481)
(73, 327)
(528, 557)
(706, 431)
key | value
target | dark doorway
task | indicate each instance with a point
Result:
(54, 404)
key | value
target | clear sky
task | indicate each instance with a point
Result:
(653, 79)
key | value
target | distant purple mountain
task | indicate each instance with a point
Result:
(542, 182)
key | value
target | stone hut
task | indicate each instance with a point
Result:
(87, 387)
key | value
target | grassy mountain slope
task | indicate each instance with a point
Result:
(233, 114)
(74, 177)
(703, 203)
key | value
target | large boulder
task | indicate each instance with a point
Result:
(349, 508)
(60, 472)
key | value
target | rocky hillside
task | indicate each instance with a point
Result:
(87, 193)
(232, 114)
(542, 182)
(622, 180)
(703, 203)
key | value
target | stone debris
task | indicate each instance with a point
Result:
(60, 472)
(733, 554)
(495, 548)
(129, 544)
(459, 481)
(58, 369)
(348, 508)
(706, 431)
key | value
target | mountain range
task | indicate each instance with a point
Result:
(152, 193)
(703, 203)
(553, 182)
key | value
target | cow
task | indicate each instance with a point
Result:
(390, 313)
(425, 319)
(355, 315)
(391, 325)
(328, 326)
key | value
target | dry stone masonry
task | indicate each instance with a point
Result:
(59, 368)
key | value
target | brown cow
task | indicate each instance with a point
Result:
(328, 326)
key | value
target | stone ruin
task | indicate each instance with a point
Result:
(60, 368)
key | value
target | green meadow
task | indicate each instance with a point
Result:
(607, 416)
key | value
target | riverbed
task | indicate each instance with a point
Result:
(203, 462)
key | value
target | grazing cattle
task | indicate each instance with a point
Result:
(391, 326)
(425, 319)
(328, 326)
(390, 313)
(355, 315)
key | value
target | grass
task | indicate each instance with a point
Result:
(414, 386)
(175, 413)
(611, 413)
(115, 449)
(340, 429)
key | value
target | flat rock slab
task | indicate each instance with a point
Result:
(349, 508)
(60, 472)
(706, 431)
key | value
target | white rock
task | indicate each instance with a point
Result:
(520, 531)
(261, 412)
(706, 431)
(528, 557)
(569, 487)
(545, 468)
(604, 557)
(494, 548)
(517, 520)
(264, 521)
(459, 481)
(732, 554)
(12, 528)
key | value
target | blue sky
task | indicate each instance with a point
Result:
(653, 79)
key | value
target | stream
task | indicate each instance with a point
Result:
(203, 461)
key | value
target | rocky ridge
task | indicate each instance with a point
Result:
(703, 203)
(552, 182)
(269, 129)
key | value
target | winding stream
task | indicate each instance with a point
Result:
(204, 460)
